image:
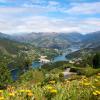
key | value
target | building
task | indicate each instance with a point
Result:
(44, 60)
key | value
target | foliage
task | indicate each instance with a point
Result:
(96, 60)
(81, 89)
(31, 75)
(5, 77)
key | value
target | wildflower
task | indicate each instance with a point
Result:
(22, 91)
(93, 87)
(53, 91)
(28, 91)
(52, 82)
(80, 82)
(49, 87)
(98, 92)
(30, 94)
(85, 79)
(1, 91)
(96, 80)
(1, 98)
(94, 93)
(98, 77)
(12, 94)
(86, 84)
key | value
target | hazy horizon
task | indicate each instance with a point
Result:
(25, 16)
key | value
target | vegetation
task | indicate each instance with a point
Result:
(82, 88)
(96, 60)
(48, 82)
(5, 77)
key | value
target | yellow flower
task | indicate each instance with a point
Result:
(94, 93)
(93, 87)
(85, 79)
(53, 91)
(30, 94)
(96, 80)
(1, 98)
(52, 82)
(98, 76)
(49, 87)
(12, 94)
(1, 91)
(86, 84)
(98, 92)
(22, 91)
(28, 91)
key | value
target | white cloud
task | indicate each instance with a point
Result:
(26, 18)
(53, 3)
(84, 8)
(46, 24)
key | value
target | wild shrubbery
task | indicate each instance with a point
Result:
(5, 76)
(96, 60)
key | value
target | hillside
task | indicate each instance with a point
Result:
(50, 40)
(57, 40)
(11, 47)
(84, 52)
(91, 40)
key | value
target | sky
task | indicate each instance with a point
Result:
(22, 16)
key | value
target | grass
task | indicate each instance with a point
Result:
(82, 88)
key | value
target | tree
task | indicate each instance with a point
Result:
(23, 62)
(5, 76)
(96, 60)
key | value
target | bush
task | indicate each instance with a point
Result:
(96, 60)
(5, 77)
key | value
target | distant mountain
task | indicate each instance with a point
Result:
(83, 52)
(57, 40)
(10, 47)
(50, 40)
(91, 40)
(3, 35)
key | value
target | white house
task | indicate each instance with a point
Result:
(44, 60)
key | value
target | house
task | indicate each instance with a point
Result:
(44, 60)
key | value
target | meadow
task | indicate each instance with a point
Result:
(37, 86)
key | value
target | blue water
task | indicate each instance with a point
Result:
(36, 64)
(55, 59)
(15, 73)
(60, 58)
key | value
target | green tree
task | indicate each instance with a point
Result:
(96, 60)
(23, 62)
(5, 76)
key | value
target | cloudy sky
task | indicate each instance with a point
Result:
(49, 16)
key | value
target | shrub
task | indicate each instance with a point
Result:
(5, 77)
(96, 60)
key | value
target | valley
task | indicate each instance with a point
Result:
(40, 61)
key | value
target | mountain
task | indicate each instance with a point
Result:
(11, 47)
(3, 35)
(50, 40)
(57, 40)
(91, 40)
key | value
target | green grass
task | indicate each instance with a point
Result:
(81, 89)
(40, 85)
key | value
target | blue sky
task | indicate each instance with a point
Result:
(49, 16)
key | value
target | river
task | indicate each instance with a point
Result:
(15, 73)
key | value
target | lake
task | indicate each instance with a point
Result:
(35, 64)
